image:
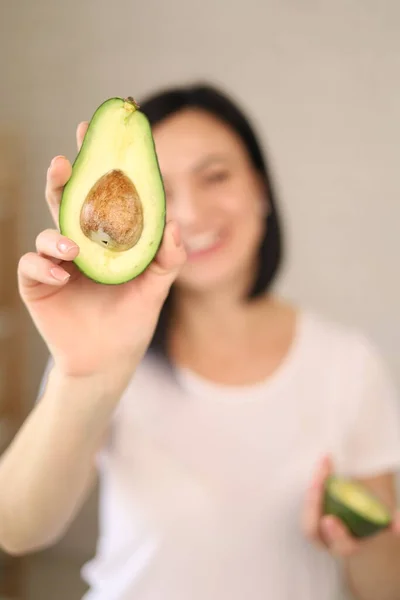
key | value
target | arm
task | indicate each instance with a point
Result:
(97, 335)
(48, 470)
(374, 570)
(372, 455)
(369, 451)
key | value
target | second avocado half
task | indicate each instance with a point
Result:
(360, 510)
(113, 206)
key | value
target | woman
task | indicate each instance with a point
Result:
(212, 445)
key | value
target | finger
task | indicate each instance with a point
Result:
(313, 504)
(171, 255)
(337, 537)
(80, 133)
(57, 176)
(162, 272)
(34, 269)
(51, 244)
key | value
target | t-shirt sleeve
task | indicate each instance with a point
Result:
(371, 442)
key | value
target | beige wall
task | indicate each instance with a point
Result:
(321, 79)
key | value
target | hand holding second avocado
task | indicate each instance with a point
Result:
(92, 328)
(328, 530)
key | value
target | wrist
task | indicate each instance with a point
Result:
(108, 376)
(102, 389)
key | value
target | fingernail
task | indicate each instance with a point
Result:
(59, 274)
(55, 159)
(177, 235)
(66, 247)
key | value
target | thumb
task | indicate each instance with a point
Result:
(169, 259)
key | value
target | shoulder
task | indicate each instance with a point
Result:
(361, 396)
(345, 344)
(346, 365)
(352, 366)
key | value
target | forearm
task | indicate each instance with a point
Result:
(46, 472)
(374, 571)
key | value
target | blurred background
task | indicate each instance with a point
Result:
(320, 80)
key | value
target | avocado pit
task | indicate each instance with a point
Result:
(112, 213)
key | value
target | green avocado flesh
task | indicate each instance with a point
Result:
(113, 206)
(357, 508)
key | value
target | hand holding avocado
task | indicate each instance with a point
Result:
(92, 328)
(339, 514)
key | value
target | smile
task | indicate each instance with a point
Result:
(202, 242)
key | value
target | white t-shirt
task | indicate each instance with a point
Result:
(202, 485)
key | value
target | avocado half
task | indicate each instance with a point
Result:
(361, 511)
(113, 206)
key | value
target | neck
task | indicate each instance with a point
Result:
(225, 312)
(222, 308)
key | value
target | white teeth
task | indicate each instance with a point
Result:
(203, 241)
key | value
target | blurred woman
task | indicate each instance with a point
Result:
(212, 410)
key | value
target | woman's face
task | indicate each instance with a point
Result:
(214, 194)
